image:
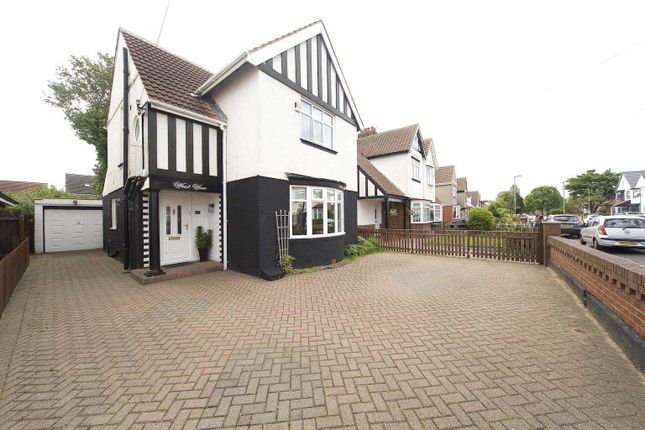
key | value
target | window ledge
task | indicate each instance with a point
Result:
(318, 146)
(317, 236)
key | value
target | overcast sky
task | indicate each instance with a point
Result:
(540, 89)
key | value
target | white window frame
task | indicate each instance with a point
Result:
(416, 169)
(312, 122)
(421, 206)
(429, 174)
(338, 216)
(456, 212)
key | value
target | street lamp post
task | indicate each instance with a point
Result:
(563, 198)
(515, 196)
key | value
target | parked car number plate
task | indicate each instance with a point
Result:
(624, 242)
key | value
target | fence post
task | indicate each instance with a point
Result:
(546, 230)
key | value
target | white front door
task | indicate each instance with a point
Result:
(174, 229)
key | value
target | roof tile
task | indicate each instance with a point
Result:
(168, 78)
(388, 142)
(444, 174)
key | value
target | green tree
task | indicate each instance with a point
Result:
(543, 199)
(593, 189)
(81, 90)
(480, 219)
(504, 199)
(26, 198)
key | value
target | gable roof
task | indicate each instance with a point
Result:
(462, 184)
(15, 186)
(632, 177)
(169, 78)
(267, 51)
(78, 184)
(388, 142)
(475, 197)
(379, 178)
(427, 145)
(444, 174)
(5, 200)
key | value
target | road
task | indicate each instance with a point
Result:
(635, 255)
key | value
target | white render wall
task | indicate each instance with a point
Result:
(397, 168)
(264, 133)
(366, 208)
(114, 174)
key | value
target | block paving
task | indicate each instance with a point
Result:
(389, 341)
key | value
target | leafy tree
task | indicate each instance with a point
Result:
(26, 198)
(81, 90)
(504, 199)
(480, 219)
(543, 199)
(596, 188)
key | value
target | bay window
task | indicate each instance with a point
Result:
(424, 212)
(317, 126)
(316, 211)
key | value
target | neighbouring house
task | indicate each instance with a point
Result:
(396, 179)
(78, 184)
(628, 193)
(475, 199)
(6, 201)
(641, 186)
(17, 186)
(463, 200)
(446, 183)
(274, 131)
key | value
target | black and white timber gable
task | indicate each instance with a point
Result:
(305, 61)
(184, 154)
(308, 68)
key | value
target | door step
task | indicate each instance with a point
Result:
(176, 271)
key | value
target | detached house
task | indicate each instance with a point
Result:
(447, 186)
(462, 197)
(628, 193)
(396, 179)
(274, 131)
(475, 199)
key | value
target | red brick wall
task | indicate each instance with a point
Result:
(616, 282)
(447, 214)
(420, 226)
(397, 221)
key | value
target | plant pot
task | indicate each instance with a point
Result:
(203, 254)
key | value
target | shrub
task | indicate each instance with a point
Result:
(363, 247)
(480, 219)
(286, 263)
(203, 239)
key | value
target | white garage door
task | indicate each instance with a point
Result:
(73, 229)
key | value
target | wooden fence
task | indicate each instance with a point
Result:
(12, 267)
(492, 245)
(14, 228)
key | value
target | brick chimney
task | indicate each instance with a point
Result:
(367, 132)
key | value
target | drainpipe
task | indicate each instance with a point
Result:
(125, 248)
(224, 219)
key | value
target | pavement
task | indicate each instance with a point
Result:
(388, 341)
(635, 255)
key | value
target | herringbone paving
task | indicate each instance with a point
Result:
(389, 341)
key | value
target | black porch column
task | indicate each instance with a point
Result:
(387, 211)
(155, 258)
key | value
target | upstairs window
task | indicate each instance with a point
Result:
(317, 126)
(416, 169)
(429, 175)
(456, 212)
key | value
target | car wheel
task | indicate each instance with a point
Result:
(582, 241)
(596, 245)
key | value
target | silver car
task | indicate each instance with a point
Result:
(625, 231)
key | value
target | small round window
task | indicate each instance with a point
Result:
(137, 128)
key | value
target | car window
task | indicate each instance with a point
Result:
(625, 223)
(565, 218)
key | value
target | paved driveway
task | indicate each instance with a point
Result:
(390, 341)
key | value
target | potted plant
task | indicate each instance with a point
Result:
(203, 241)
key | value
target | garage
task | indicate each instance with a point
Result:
(67, 225)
